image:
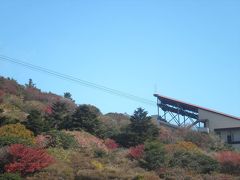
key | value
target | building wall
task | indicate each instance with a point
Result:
(234, 133)
(237, 146)
(217, 121)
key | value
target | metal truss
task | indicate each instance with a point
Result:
(177, 115)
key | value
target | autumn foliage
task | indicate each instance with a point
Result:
(183, 146)
(1, 95)
(136, 152)
(16, 130)
(42, 141)
(48, 110)
(229, 161)
(27, 160)
(111, 144)
(86, 140)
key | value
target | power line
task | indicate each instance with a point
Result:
(77, 80)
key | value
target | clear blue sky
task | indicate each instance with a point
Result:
(188, 49)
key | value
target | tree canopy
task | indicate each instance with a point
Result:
(139, 130)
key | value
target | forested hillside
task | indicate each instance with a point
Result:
(48, 136)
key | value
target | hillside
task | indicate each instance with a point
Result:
(18, 100)
(48, 136)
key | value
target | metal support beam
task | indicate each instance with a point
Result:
(177, 114)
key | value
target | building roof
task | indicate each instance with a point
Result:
(190, 107)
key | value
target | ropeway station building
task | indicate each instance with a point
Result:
(182, 114)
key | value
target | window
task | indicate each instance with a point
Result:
(230, 137)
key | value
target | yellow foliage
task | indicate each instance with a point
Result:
(184, 146)
(61, 154)
(17, 130)
(97, 165)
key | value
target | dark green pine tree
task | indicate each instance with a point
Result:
(30, 84)
(68, 95)
(60, 113)
(86, 119)
(35, 122)
(139, 130)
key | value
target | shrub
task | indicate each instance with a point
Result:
(86, 140)
(48, 110)
(10, 176)
(4, 158)
(61, 154)
(113, 123)
(8, 140)
(1, 93)
(16, 130)
(187, 155)
(111, 144)
(208, 142)
(99, 153)
(27, 160)
(15, 101)
(173, 173)
(34, 105)
(154, 155)
(198, 162)
(136, 152)
(168, 136)
(146, 176)
(6, 120)
(57, 171)
(183, 146)
(229, 161)
(97, 165)
(61, 139)
(42, 141)
(218, 176)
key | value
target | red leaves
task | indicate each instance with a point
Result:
(48, 110)
(136, 152)
(111, 144)
(228, 157)
(229, 161)
(27, 160)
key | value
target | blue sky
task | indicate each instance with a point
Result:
(188, 49)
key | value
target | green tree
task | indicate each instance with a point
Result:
(35, 122)
(139, 130)
(59, 115)
(68, 95)
(30, 84)
(86, 119)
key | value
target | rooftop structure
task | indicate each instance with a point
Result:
(189, 115)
